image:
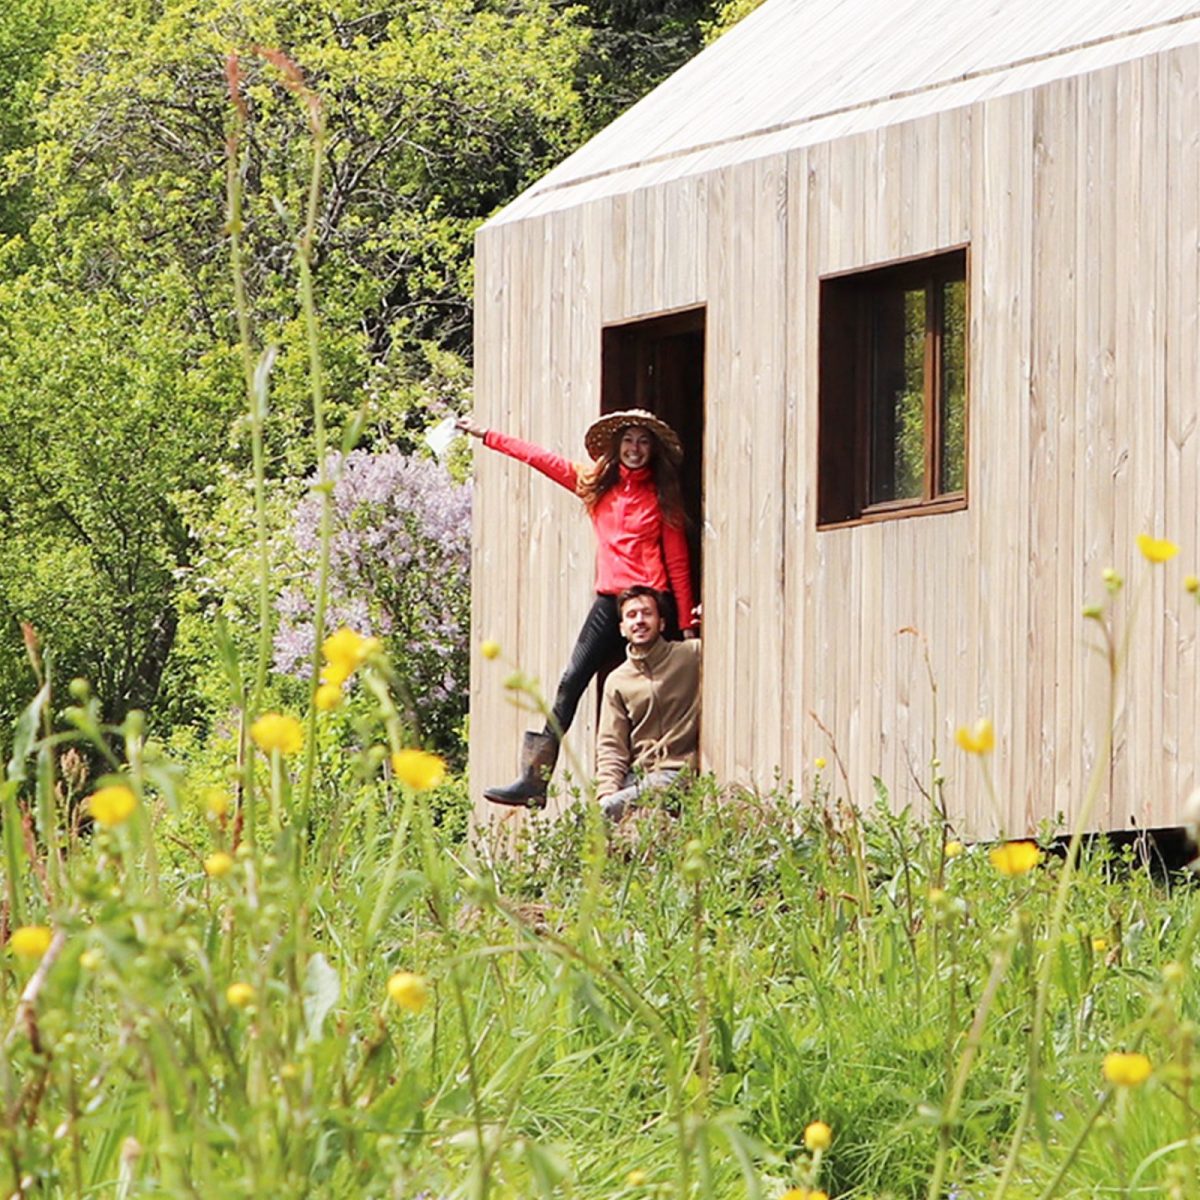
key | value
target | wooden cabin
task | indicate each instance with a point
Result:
(919, 286)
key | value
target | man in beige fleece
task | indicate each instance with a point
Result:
(650, 714)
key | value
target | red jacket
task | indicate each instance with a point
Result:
(634, 543)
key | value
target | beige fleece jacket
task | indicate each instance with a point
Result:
(650, 714)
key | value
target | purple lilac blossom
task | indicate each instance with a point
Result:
(399, 570)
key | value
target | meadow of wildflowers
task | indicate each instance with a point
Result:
(305, 979)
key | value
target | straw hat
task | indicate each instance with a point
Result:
(600, 432)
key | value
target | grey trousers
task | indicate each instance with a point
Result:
(633, 787)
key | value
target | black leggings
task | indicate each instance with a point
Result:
(598, 647)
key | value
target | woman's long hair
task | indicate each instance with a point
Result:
(603, 474)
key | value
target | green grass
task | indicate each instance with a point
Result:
(619, 1015)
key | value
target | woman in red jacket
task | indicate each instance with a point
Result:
(631, 490)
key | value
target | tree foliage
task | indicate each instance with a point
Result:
(119, 376)
(118, 369)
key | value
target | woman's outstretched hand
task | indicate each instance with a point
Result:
(467, 425)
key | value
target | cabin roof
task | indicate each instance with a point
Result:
(800, 72)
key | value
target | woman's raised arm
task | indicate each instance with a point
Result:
(553, 466)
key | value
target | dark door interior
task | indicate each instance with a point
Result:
(658, 364)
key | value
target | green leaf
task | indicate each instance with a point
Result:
(14, 850)
(262, 381)
(227, 654)
(26, 734)
(322, 987)
(548, 1166)
(745, 1149)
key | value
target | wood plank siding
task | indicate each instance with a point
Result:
(1078, 196)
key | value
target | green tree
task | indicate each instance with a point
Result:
(28, 30)
(118, 372)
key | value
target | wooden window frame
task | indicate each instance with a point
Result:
(848, 302)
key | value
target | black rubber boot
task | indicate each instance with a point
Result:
(539, 753)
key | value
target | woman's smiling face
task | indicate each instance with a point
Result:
(637, 447)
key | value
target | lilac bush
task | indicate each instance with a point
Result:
(399, 569)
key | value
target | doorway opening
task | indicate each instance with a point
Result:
(657, 363)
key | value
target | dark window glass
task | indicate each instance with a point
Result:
(893, 394)
(953, 397)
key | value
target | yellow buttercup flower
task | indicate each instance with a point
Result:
(218, 864)
(408, 991)
(274, 731)
(346, 651)
(112, 805)
(1099, 945)
(803, 1194)
(980, 739)
(1126, 1070)
(817, 1136)
(635, 1178)
(1015, 858)
(240, 994)
(328, 697)
(1191, 584)
(1156, 550)
(30, 941)
(418, 769)
(489, 649)
(819, 763)
(216, 803)
(953, 849)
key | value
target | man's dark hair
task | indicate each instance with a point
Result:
(632, 593)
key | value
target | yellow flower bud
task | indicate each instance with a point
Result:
(418, 769)
(980, 739)
(1015, 858)
(345, 651)
(1156, 550)
(408, 991)
(817, 1136)
(635, 1178)
(218, 864)
(112, 805)
(819, 763)
(1126, 1070)
(216, 803)
(489, 649)
(240, 994)
(30, 941)
(953, 849)
(273, 731)
(328, 697)
(1191, 584)
(91, 960)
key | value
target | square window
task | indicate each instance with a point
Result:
(893, 390)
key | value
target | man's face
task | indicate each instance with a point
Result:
(641, 623)
(637, 447)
